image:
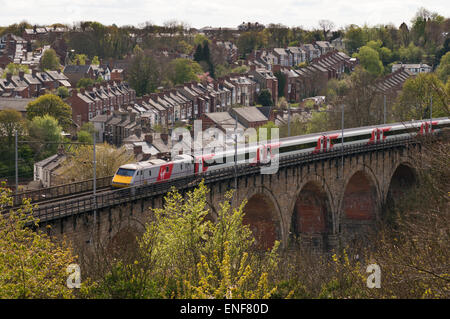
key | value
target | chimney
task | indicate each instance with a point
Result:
(164, 137)
(132, 117)
(82, 90)
(78, 62)
(8, 77)
(154, 96)
(21, 74)
(149, 138)
(137, 132)
(137, 149)
(252, 67)
(33, 72)
(216, 85)
(74, 91)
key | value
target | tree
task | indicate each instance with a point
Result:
(32, 265)
(95, 61)
(265, 98)
(62, 92)
(14, 69)
(53, 105)
(45, 129)
(354, 38)
(80, 59)
(183, 70)
(370, 60)
(143, 75)
(80, 167)
(281, 82)
(85, 82)
(10, 121)
(411, 54)
(326, 26)
(443, 70)
(49, 60)
(415, 98)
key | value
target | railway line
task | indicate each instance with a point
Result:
(47, 211)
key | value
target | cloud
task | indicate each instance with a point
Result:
(199, 13)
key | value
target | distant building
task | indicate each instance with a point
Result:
(413, 68)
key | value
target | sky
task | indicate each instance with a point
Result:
(215, 13)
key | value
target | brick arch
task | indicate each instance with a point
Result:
(359, 205)
(312, 218)
(263, 215)
(404, 162)
(123, 242)
(403, 178)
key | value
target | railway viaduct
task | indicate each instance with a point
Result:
(324, 200)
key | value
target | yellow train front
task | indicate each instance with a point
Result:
(124, 176)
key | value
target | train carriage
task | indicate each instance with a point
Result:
(157, 170)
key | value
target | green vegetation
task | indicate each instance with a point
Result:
(50, 104)
(32, 265)
(265, 98)
(14, 69)
(49, 60)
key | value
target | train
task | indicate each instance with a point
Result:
(159, 170)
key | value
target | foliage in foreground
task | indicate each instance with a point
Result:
(31, 265)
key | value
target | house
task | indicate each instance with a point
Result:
(282, 56)
(19, 105)
(44, 171)
(75, 72)
(249, 116)
(324, 47)
(413, 68)
(59, 79)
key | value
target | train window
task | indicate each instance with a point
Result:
(125, 172)
(357, 137)
(167, 169)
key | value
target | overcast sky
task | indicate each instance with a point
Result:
(229, 13)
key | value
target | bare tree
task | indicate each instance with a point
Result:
(326, 26)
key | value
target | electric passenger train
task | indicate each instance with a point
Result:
(158, 170)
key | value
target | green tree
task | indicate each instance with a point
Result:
(80, 59)
(370, 60)
(62, 92)
(183, 70)
(411, 54)
(201, 39)
(85, 137)
(143, 75)
(10, 121)
(281, 82)
(85, 82)
(415, 98)
(46, 130)
(265, 98)
(354, 38)
(95, 60)
(49, 60)
(14, 69)
(443, 70)
(53, 105)
(32, 265)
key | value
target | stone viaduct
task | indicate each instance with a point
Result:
(310, 200)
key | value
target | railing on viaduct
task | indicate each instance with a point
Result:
(87, 203)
